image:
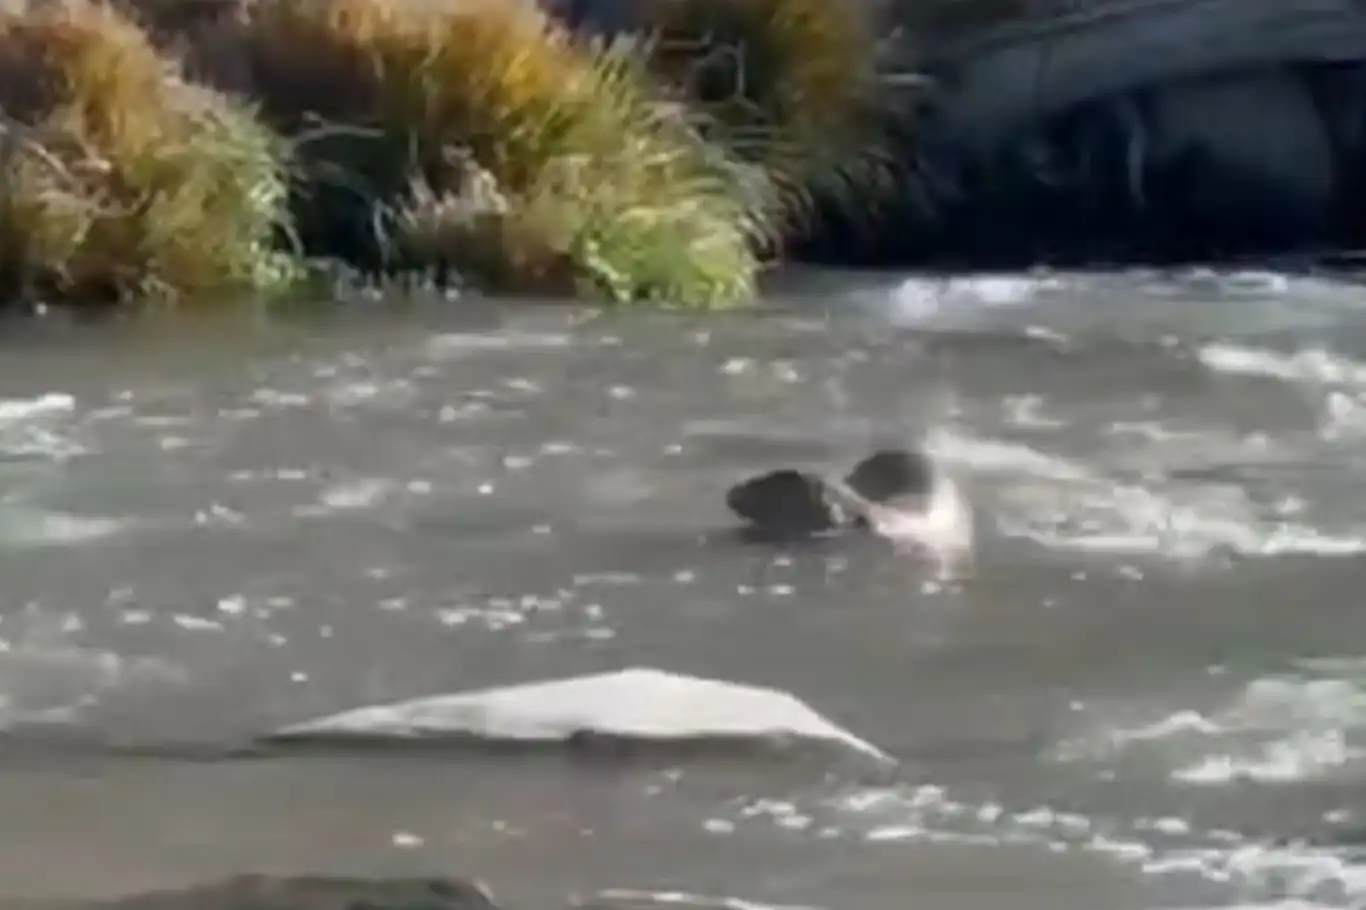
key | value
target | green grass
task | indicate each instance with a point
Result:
(478, 137)
(123, 182)
(475, 140)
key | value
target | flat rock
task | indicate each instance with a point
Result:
(640, 705)
(266, 892)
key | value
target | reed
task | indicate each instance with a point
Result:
(122, 181)
(790, 84)
(479, 137)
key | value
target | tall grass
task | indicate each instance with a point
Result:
(478, 136)
(122, 181)
(791, 84)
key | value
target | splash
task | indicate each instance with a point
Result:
(1276, 729)
(1067, 505)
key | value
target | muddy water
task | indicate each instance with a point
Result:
(1150, 692)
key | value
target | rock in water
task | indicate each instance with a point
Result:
(639, 704)
(266, 892)
(1109, 132)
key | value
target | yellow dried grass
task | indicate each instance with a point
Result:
(794, 84)
(605, 184)
(121, 180)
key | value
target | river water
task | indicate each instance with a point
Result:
(1149, 692)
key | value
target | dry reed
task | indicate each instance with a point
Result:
(122, 181)
(791, 84)
(480, 137)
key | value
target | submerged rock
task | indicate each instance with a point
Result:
(265, 892)
(639, 705)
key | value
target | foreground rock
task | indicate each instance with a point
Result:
(639, 705)
(262, 892)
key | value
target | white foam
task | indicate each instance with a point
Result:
(1280, 729)
(18, 409)
(356, 494)
(1273, 905)
(1065, 505)
(353, 495)
(1282, 877)
(1168, 849)
(1248, 875)
(23, 526)
(1339, 379)
(918, 300)
(1311, 365)
(929, 813)
(27, 427)
(1300, 756)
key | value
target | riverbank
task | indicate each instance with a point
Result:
(189, 153)
(196, 154)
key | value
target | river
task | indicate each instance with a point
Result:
(1149, 692)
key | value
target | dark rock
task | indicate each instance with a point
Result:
(1125, 132)
(1339, 93)
(1235, 162)
(263, 892)
(1218, 166)
(1000, 80)
(1080, 132)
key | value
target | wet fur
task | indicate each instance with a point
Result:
(788, 503)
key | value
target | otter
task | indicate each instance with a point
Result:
(897, 494)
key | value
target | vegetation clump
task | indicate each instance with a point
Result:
(121, 180)
(481, 137)
(792, 84)
(198, 149)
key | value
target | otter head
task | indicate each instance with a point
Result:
(915, 505)
(893, 474)
(786, 503)
(898, 495)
